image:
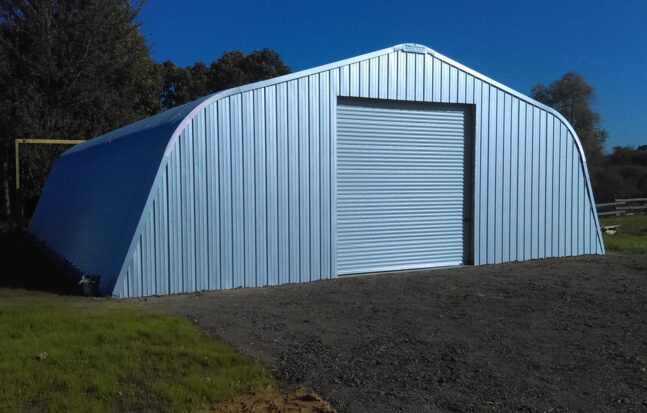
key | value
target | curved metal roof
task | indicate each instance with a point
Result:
(96, 191)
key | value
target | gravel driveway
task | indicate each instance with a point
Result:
(549, 335)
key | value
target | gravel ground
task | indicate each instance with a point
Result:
(544, 336)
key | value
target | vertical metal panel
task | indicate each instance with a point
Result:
(200, 189)
(535, 160)
(541, 190)
(161, 240)
(247, 195)
(436, 74)
(303, 184)
(364, 79)
(498, 233)
(175, 235)
(332, 112)
(575, 218)
(555, 187)
(419, 83)
(529, 176)
(401, 76)
(325, 142)
(226, 275)
(315, 179)
(514, 179)
(237, 188)
(293, 180)
(410, 76)
(505, 180)
(520, 137)
(374, 78)
(283, 183)
(568, 183)
(481, 197)
(135, 289)
(213, 199)
(453, 84)
(344, 81)
(445, 83)
(548, 247)
(392, 76)
(490, 182)
(188, 210)
(260, 189)
(428, 79)
(249, 200)
(148, 256)
(383, 76)
(353, 79)
(561, 215)
(271, 177)
(477, 245)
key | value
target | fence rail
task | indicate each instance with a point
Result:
(626, 206)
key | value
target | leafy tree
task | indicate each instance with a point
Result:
(625, 174)
(572, 96)
(182, 85)
(233, 69)
(75, 68)
(620, 174)
(70, 69)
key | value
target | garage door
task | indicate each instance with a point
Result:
(401, 185)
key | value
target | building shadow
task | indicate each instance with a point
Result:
(26, 264)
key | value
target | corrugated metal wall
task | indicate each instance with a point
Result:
(247, 195)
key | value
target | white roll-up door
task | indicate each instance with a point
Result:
(401, 185)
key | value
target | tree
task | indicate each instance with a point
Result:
(71, 69)
(572, 96)
(182, 85)
(233, 69)
(624, 175)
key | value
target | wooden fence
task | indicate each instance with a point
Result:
(623, 207)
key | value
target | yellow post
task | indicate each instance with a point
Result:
(18, 141)
(39, 141)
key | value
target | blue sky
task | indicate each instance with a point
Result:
(517, 42)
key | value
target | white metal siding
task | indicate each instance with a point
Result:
(400, 185)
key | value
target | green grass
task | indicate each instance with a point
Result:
(631, 237)
(104, 355)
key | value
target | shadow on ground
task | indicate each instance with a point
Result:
(25, 264)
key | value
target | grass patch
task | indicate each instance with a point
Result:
(631, 237)
(104, 355)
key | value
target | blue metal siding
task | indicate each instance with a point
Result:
(239, 188)
(99, 183)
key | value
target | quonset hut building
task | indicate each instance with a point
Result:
(396, 159)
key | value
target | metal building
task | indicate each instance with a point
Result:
(396, 159)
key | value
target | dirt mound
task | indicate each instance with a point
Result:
(275, 401)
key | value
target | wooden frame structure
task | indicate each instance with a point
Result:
(39, 141)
